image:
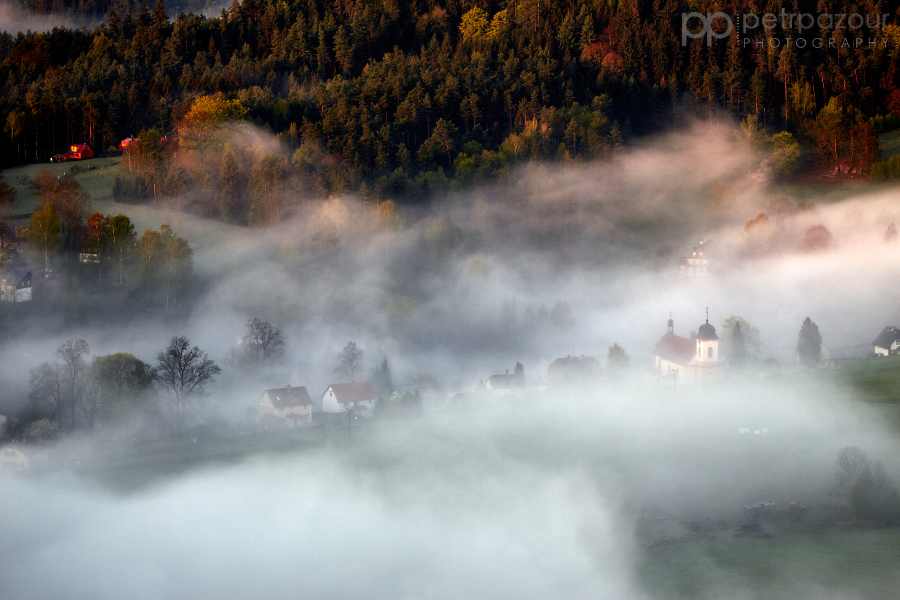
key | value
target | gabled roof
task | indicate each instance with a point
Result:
(573, 367)
(16, 276)
(505, 382)
(676, 349)
(887, 337)
(355, 391)
(289, 396)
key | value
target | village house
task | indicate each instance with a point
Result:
(689, 360)
(358, 395)
(76, 152)
(290, 405)
(698, 262)
(15, 286)
(573, 369)
(887, 342)
(507, 383)
(12, 459)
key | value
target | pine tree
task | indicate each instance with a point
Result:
(809, 345)
(738, 347)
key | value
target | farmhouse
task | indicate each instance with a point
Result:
(507, 383)
(689, 360)
(290, 403)
(15, 286)
(573, 369)
(76, 152)
(358, 395)
(887, 342)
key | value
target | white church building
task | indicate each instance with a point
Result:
(689, 360)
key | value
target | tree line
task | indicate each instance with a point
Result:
(83, 392)
(403, 98)
(157, 266)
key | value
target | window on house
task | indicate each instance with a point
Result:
(709, 352)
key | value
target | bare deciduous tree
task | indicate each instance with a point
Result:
(263, 340)
(74, 367)
(349, 361)
(47, 391)
(183, 373)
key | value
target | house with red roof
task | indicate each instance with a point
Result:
(290, 405)
(689, 360)
(358, 395)
(76, 152)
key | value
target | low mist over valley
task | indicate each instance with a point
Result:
(479, 470)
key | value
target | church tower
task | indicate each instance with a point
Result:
(707, 343)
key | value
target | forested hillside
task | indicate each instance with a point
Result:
(397, 98)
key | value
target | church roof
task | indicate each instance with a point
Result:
(676, 349)
(707, 332)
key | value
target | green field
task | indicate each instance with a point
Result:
(97, 177)
(874, 379)
(828, 564)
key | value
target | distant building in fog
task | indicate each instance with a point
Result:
(358, 395)
(888, 341)
(504, 384)
(12, 459)
(291, 404)
(573, 369)
(15, 286)
(698, 262)
(689, 360)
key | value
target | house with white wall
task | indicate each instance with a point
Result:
(358, 395)
(887, 342)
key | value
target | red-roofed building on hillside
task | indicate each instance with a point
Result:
(358, 395)
(290, 403)
(689, 360)
(76, 152)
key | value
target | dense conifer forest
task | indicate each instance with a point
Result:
(401, 98)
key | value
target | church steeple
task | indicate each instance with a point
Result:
(671, 328)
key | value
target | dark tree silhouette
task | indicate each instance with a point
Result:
(349, 361)
(182, 373)
(738, 347)
(382, 379)
(263, 340)
(809, 345)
